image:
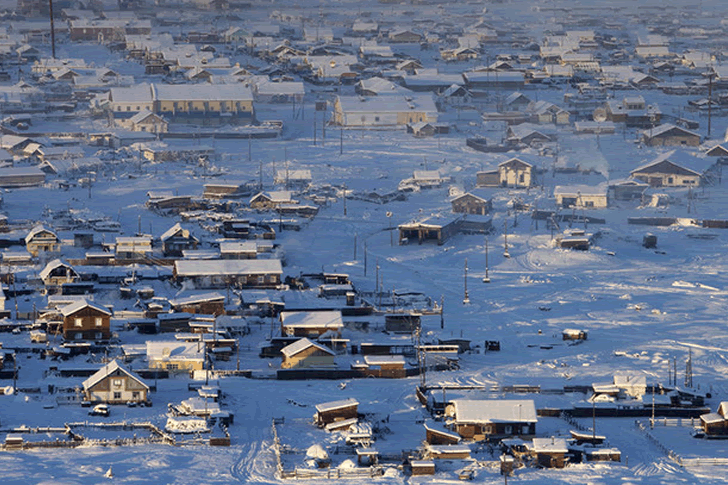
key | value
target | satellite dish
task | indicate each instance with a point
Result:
(600, 115)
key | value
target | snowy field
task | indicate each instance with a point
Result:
(641, 307)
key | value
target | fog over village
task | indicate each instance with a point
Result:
(359, 242)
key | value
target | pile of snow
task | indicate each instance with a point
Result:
(347, 464)
(186, 424)
(317, 452)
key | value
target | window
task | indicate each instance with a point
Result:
(669, 180)
(98, 336)
(172, 366)
(508, 429)
(116, 382)
(522, 178)
(99, 321)
(78, 322)
(117, 395)
(376, 118)
(261, 279)
(135, 395)
(78, 336)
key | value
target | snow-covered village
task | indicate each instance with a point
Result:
(372, 241)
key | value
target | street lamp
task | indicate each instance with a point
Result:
(466, 298)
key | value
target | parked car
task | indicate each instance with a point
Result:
(100, 410)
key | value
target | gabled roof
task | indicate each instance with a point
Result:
(676, 160)
(174, 230)
(56, 263)
(666, 129)
(109, 369)
(494, 411)
(37, 230)
(300, 345)
(80, 305)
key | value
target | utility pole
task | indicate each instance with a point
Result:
(250, 149)
(442, 311)
(710, 100)
(506, 254)
(53, 30)
(466, 298)
(365, 258)
(487, 278)
(344, 199)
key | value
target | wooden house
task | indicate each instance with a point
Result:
(175, 356)
(549, 452)
(133, 248)
(580, 196)
(484, 419)
(147, 121)
(437, 435)
(472, 203)
(330, 412)
(86, 321)
(716, 424)
(304, 353)
(311, 323)
(434, 228)
(300, 178)
(42, 240)
(516, 101)
(421, 467)
(516, 172)
(390, 110)
(719, 150)
(57, 273)
(177, 239)
(527, 134)
(404, 36)
(670, 135)
(546, 112)
(115, 384)
(627, 189)
(203, 303)
(221, 273)
(271, 199)
(673, 169)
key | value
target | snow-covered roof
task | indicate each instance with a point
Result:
(224, 267)
(81, 304)
(313, 319)
(56, 263)
(197, 298)
(108, 369)
(384, 359)
(38, 230)
(494, 411)
(300, 345)
(550, 445)
(174, 350)
(388, 104)
(588, 190)
(334, 405)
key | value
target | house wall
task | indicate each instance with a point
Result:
(582, 201)
(340, 414)
(311, 357)
(668, 180)
(240, 280)
(43, 242)
(176, 365)
(206, 308)
(116, 389)
(470, 205)
(673, 140)
(87, 324)
(515, 177)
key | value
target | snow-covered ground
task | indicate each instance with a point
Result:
(641, 307)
